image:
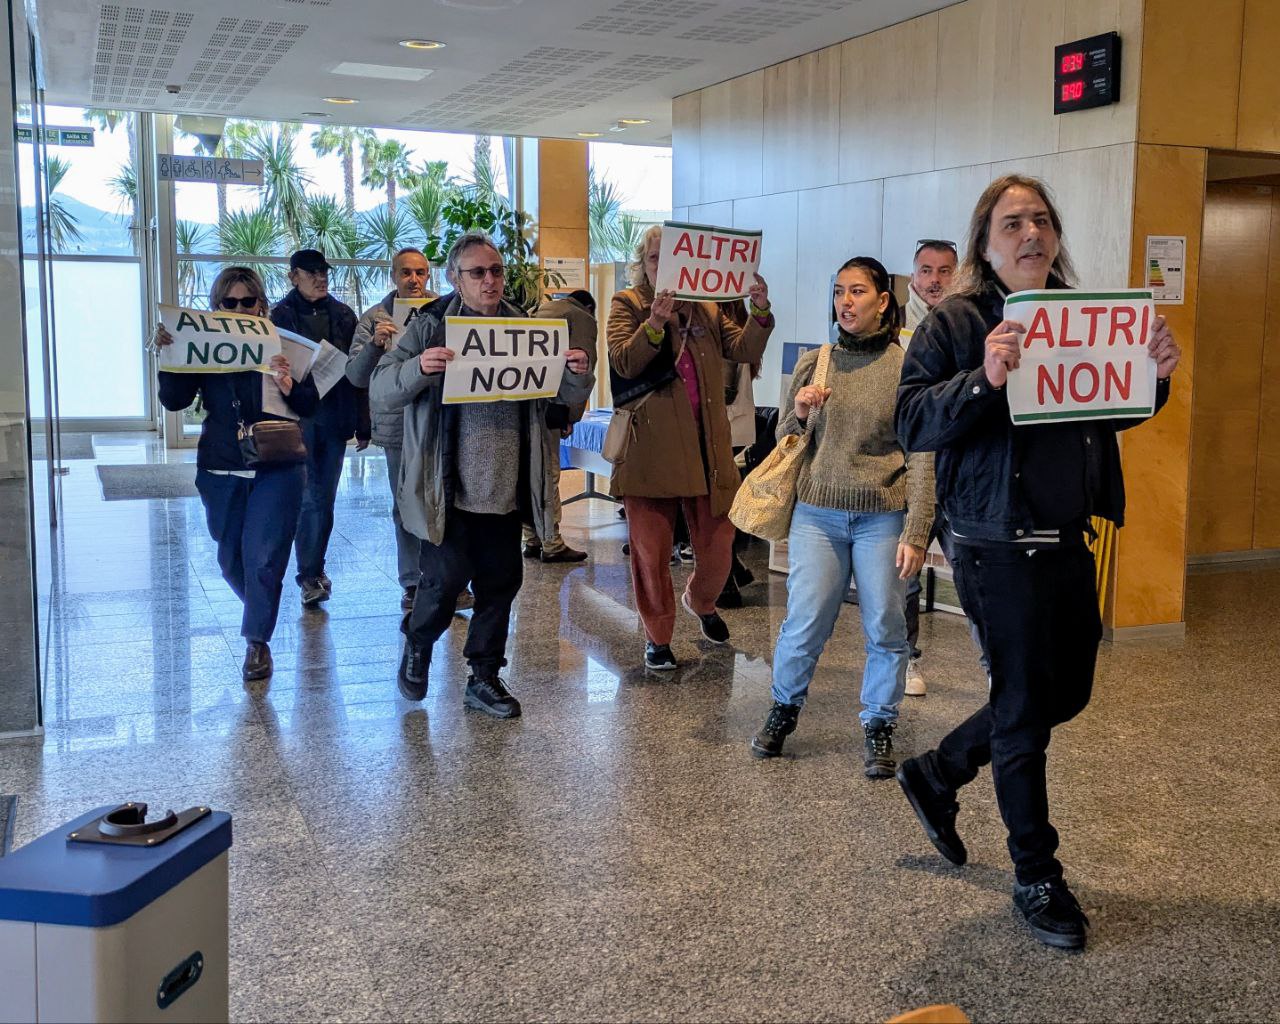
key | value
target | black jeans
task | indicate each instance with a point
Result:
(483, 550)
(1037, 615)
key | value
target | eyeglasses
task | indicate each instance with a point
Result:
(497, 272)
(934, 243)
(247, 302)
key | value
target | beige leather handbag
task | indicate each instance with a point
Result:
(767, 497)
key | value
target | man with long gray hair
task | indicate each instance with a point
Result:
(1016, 503)
(469, 474)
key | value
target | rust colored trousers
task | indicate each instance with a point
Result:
(652, 523)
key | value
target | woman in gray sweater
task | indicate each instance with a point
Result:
(863, 506)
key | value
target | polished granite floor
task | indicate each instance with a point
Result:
(615, 854)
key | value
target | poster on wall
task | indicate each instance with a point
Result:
(504, 359)
(1165, 263)
(707, 264)
(1084, 356)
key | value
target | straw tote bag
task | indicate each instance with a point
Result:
(767, 497)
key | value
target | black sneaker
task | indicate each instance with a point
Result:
(532, 550)
(659, 657)
(257, 662)
(313, 593)
(412, 677)
(713, 627)
(936, 811)
(877, 749)
(780, 724)
(490, 695)
(406, 600)
(1052, 913)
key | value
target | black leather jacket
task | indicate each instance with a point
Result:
(984, 479)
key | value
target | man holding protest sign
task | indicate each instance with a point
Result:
(1017, 501)
(476, 451)
(375, 335)
(309, 310)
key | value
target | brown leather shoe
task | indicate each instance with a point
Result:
(257, 662)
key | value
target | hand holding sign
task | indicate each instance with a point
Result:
(759, 293)
(577, 360)
(383, 333)
(1162, 348)
(663, 309)
(1003, 352)
(435, 359)
(280, 371)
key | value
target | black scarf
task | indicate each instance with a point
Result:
(873, 341)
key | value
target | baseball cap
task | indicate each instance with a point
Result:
(310, 260)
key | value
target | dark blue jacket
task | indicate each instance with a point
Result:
(219, 448)
(986, 481)
(344, 411)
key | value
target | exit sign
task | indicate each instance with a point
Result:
(1086, 73)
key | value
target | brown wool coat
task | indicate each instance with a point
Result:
(664, 460)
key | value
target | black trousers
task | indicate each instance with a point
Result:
(1037, 615)
(483, 550)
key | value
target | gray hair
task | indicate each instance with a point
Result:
(467, 241)
(636, 267)
(405, 252)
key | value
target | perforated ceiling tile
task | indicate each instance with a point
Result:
(656, 17)
(134, 52)
(751, 24)
(240, 52)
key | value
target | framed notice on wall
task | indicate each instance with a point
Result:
(1165, 264)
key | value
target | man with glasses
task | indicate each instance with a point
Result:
(932, 269)
(375, 334)
(311, 311)
(471, 473)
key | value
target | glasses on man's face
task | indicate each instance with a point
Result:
(247, 302)
(934, 243)
(497, 272)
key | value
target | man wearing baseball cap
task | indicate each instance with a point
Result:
(311, 311)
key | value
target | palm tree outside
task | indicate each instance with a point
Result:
(284, 183)
(64, 229)
(343, 140)
(386, 165)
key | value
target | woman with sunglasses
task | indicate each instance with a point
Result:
(863, 506)
(252, 513)
(681, 454)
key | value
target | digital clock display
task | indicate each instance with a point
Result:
(1086, 73)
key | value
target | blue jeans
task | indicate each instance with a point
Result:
(325, 453)
(824, 547)
(252, 522)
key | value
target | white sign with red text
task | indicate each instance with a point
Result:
(704, 263)
(1084, 356)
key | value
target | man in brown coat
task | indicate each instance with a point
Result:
(670, 355)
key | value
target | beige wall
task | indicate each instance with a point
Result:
(865, 146)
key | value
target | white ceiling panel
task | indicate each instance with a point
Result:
(516, 67)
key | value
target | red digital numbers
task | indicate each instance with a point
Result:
(1072, 62)
(1072, 91)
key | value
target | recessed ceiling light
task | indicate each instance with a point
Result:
(315, 113)
(634, 120)
(422, 44)
(343, 100)
(589, 135)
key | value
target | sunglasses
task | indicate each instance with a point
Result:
(248, 302)
(497, 272)
(934, 243)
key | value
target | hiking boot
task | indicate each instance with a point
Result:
(1052, 913)
(780, 724)
(713, 627)
(659, 657)
(877, 749)
(936, 811)
(490, 695)
(412, 677)
(313, 592)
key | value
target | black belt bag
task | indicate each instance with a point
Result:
(270, 442)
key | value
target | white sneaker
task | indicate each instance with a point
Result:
(915, 680)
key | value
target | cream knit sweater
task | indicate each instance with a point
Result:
(855, 462)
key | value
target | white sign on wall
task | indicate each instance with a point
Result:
(219, 170)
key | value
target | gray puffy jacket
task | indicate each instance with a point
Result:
(388, 422)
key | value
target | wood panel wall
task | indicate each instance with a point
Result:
(1235, 493)
(1210, 74)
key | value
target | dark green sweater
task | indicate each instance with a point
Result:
(855, 462)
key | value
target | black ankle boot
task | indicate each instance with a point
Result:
(878, 749)
(780, 724)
